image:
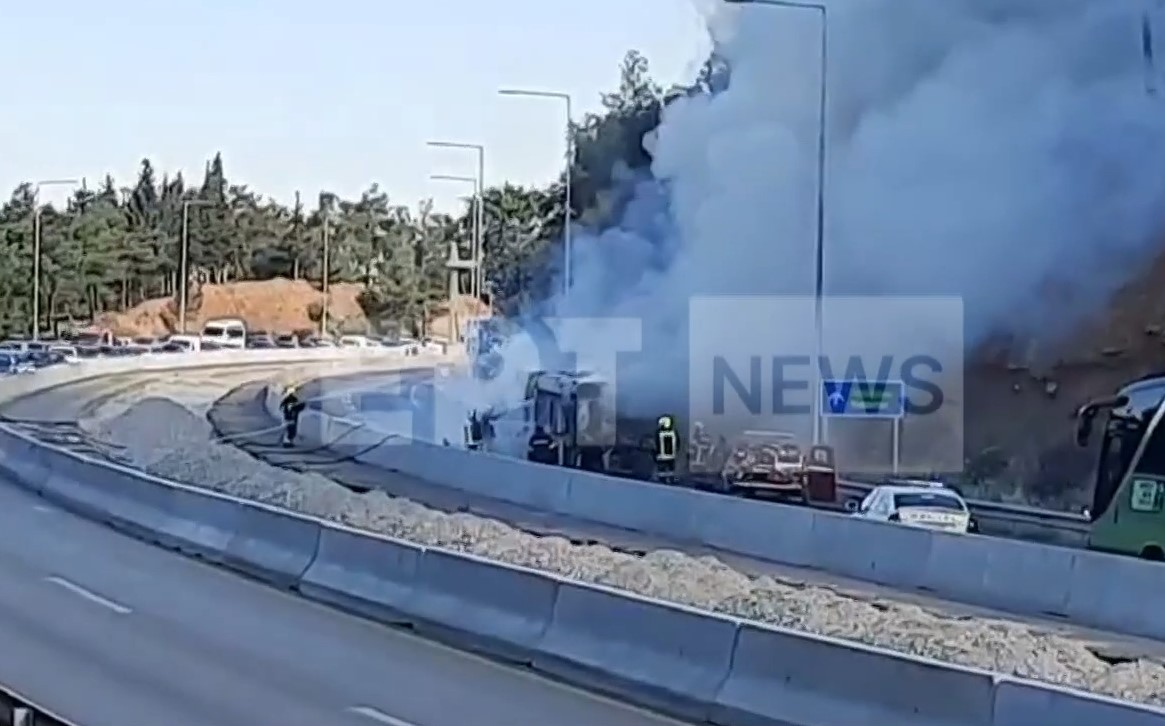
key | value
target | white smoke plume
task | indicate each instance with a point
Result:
(991, 149)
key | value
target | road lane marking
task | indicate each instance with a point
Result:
(90, 596)
(378, 716)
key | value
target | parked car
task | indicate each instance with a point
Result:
(260, 339)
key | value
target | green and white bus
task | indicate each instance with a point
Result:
(1128, 503)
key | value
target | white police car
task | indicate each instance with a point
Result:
(929, 505)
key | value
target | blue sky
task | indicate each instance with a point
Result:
(305, 95)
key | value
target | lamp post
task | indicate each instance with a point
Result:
(567, 273)
(184, 255)
(819, 242)
(325, 233)
(36, 235)
(479, 215)
(476, 231)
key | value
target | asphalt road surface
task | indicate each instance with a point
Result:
(110, 631)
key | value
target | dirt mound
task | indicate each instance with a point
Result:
(277, 306)
(152, 428)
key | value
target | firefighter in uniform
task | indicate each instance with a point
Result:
(543, 447)
(291, 407)
(667, 442)
(473, 432)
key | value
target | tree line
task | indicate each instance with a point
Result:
(111, 247)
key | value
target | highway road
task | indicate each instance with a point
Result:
(110, 631)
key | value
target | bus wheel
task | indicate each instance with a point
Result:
(1153, 553)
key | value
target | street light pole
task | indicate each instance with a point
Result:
(476, 222)
(327, 265)
(819, 242)
(568, 250)
(477, 277)
(183, 272)
(36, 235)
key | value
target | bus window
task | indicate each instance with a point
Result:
(1116, 454)
(1152, 459)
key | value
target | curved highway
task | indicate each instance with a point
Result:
(110, 631)
(240, 411)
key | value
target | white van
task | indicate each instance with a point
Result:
(224, 333)
(356, 341)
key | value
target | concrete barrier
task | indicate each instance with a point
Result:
(867, 550)
(654, 509)
(259, 541)
(369, 575)
(495, 608)
(757, 529)
(108, 494)
(20, 461)
(1024, 578)
(271, 546)
(1019, 576)
(620, 641)
(684, 661)
(782, 677)
(1117, 593)
(1022, 703)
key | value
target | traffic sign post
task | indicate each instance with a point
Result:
(856, 398)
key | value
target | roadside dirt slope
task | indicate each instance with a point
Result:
(279, 305)
(1021, 397)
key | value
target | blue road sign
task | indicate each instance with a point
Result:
(863, 399)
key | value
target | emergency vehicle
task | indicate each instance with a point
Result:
(929, 505)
